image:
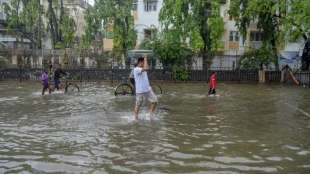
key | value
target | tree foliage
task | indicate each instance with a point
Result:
(61, 26)
(196, 23)
(297, 20)
(93, 27)
(114, 16)
(297, 26)
(256, 59)
(170, 50)
(267, 15)
(68, 28)
(24, 18)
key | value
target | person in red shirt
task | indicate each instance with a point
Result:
(212, 84)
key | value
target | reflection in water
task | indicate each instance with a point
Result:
(247, 129)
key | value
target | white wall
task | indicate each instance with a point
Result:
(146, 19)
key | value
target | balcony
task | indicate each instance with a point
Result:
(255, 44)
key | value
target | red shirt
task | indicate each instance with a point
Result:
(212, 82)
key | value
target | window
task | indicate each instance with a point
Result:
(234, 36)
(150, 5)
(149, 33)
(135, 5)
(256, 36)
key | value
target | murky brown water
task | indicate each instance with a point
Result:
(247, 129)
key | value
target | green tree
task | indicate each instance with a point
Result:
(268, 16)
(93, 26)
(23, 17)
(68, 29)
(170, 50)
(61, 26)
(256, 59)
(197, 23)
(116, 15)
(53, 24)
(297, 26)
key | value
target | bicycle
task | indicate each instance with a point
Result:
(69, 86)
(127, 89)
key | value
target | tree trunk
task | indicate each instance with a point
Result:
(205, 34)
(53, 23)
(62, 11)
(275, 52)
(126, 31)
(205, 58)
(305, 59)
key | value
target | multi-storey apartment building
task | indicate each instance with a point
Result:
(146, 15)
(146, 18)
(234, 45)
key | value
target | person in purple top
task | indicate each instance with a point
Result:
(44, 79)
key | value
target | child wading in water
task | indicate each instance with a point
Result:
(44, 79)
(212, 84)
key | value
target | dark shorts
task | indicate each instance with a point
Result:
(57, 83)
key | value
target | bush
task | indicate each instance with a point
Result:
(180, 73)
(256, 59)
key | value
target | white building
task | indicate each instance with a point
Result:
(146, 14)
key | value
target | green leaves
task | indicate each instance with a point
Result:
(23, 17)
(297, 21)
(112, 16)
(198, 24)
(256, 59)
(68, 29)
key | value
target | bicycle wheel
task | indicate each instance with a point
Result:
(72, 88)
(123, 89)
(157, 89)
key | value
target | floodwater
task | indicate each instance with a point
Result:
(246, 129)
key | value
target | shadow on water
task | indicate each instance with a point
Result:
(246, 129)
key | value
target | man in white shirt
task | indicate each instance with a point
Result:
(143, 88)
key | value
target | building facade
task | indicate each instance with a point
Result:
(146, 13)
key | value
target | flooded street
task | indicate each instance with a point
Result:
(246, 129)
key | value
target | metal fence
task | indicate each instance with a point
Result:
(273, 76)
(119, 74)
(163, 75)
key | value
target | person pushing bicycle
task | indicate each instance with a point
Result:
(57, 75)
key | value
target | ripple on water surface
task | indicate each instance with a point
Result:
(94, 132)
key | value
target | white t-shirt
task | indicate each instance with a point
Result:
(141, 80)
(131, 76)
